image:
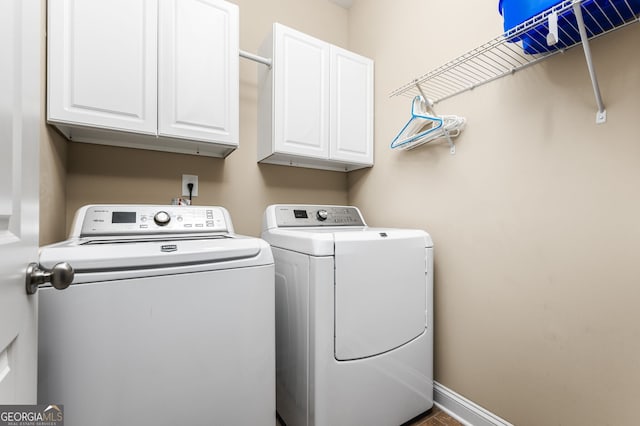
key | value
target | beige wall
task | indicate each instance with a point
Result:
(53, 167)
(98, 174)
(53, 163)
(535, 219)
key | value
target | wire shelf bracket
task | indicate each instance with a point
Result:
(452, 146)
(601, 115)
(555, 30)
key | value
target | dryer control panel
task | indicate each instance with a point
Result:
(312, 215)
(112, 220)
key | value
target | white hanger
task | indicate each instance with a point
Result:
(419, 125)
(425, 126)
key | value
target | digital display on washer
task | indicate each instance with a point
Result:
(300, 214)
(123, 217)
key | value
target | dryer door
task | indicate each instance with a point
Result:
(380, 291)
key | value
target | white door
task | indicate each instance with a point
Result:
(301, 93)
(102, 64)
(198, 70)
(351, 107)
(20, 122)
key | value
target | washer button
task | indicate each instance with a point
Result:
(162, 218)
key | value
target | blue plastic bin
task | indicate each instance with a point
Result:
(515, 12)
(599, 16)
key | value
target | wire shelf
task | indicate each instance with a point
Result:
(523, 46)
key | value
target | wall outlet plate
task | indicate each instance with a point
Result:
(186, 179)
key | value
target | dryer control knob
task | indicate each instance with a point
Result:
(162, 218)
(322, 215)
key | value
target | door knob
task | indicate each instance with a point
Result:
(60, 276)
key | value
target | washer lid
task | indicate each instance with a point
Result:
(380, 292)
(121, 254)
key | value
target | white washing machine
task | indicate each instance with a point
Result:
(169, 320)
(354, 318)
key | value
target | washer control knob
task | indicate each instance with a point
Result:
(322, 215)
(162, 218)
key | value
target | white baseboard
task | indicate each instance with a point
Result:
(465, 411)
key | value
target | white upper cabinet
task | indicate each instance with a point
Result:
(165, 72)
(102, 63)
(315, 104)
(198, 70)
(301, 73)
(351, 107)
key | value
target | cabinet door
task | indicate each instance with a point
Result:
(351, 107)
(301, 94)
(102, 63)
(198, 70)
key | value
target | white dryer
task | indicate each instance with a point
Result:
(354, 317)
(168, 321)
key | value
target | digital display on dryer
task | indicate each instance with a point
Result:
(123, 217)
(300, 214)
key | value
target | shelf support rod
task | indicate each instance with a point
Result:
(452, 147)
(601, 115)
(266, 61)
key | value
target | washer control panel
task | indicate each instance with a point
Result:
(141, 219)
(305, 215)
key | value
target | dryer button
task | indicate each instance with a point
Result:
(322, 215)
